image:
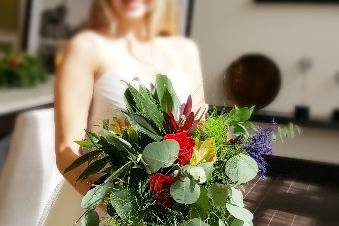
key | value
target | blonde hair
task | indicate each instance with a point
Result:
(162, 21)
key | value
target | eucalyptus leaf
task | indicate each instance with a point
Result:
(239, 212)
(198, 173)
(237, 222)
(194, 222)
(91, 218)
(124, 204)
(236, 197)
(95, 196)
(221, 223)
(218, 193)
(241, 168)
(160, 154)
(185, 191)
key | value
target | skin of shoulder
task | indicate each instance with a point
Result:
(185, 46)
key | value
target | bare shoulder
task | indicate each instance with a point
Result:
(84, 42)
(184, 45)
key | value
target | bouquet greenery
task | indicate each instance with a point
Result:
(169, 167)
(21, 70)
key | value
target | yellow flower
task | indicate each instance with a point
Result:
(204, 151)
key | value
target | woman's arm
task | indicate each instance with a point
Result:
(73, 94)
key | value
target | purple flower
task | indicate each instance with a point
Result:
(259, 145)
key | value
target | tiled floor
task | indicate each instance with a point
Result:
(295, 195)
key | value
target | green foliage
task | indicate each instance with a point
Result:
(185, 191)
(194, 222)
(82, 159)
(160, 154)
(236, 197)
(145, 105)
(218, 193)
(241, 168)
(238, 119)
(21, 70)
(124, 203)
(91, 218)
(239, 212)
(288, 131)
(237, 222)
(166, 94)
(93, 168)
(144, 126)
(216, 127)
(95, 196)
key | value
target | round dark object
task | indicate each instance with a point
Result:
(252, 80)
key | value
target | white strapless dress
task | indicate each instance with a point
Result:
(107, 104)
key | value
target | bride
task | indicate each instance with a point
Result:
(125, 39)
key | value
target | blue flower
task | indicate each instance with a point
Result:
(259, 145)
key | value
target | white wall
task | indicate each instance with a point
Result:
(226, 29)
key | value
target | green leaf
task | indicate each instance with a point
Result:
(144, 126)
(95, 196)
(105, 124)
(200, 208)
(121, 144)
(185, 191)
(237, 222)
(93, 168)
(221, 223)
(194, 222)
(124, 204)
(160, 154)
(151, 107)
(85, 143)
(198, 173)
(82, 159)
(91, 218)
(236, 197)
(119, 171)
(94, 138)
(218, 193)
(208, 168)
(167, 102)
(163, 87)
(129, 101)
(241, 168)
(239, 212)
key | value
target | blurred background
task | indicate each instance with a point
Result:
(280, 55)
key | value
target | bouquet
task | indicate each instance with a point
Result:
(21, 70)
(167, 166)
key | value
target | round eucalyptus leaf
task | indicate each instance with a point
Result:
(241, 168)
(198, 173)
(237, 222)
(185, 191)
(91, 218)
(95, 196)
(160, 154)
(194, 222)
(236, 197)
(239, 212)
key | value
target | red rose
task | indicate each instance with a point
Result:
(186, 144)
(160, 185)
